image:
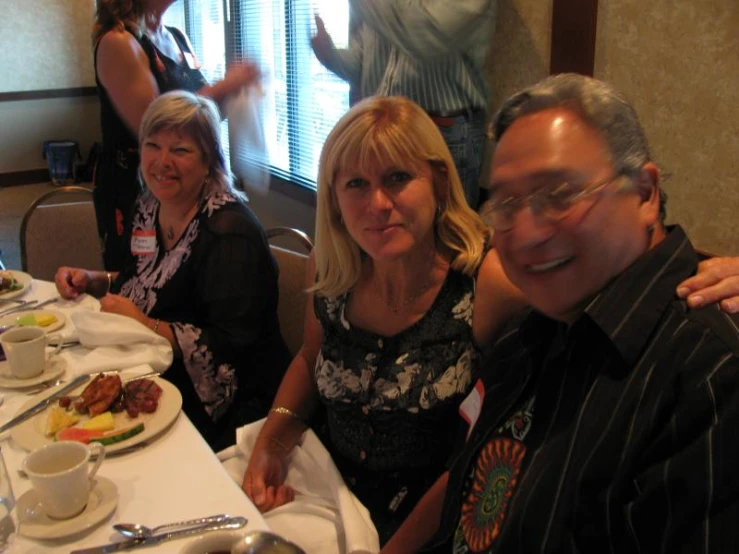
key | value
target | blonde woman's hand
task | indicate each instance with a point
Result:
(264, 480)
(717, 280)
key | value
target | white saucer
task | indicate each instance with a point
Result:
(35, 524)
(54, 368)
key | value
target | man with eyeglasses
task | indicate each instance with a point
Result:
(609, 420)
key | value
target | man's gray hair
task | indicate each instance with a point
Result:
(599, 105)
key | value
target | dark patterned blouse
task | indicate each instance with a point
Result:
(392, 402)
(218, 288)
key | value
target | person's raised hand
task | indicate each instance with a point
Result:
(717, 280)
(242, 74)
(321, 42)
(71, 281)
(264, 480)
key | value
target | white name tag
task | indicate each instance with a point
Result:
(471, 406)
(143, 242)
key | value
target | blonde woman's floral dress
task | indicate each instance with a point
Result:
(392, 402)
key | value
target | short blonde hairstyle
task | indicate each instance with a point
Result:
(398, 132)
(199, 118)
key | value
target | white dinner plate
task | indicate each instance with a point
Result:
(55, 366)
(30, 434)
(23, 278)
(12, 319)
(35, 524)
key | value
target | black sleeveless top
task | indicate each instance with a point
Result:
(169, 75)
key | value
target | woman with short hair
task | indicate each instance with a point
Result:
(198, 271)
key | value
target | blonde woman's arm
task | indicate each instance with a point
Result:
(294, 404)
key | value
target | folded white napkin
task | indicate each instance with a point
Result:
(325, 517)
(115, 341)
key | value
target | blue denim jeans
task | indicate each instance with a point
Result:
(466, 141)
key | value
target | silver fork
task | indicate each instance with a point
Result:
(42, 387)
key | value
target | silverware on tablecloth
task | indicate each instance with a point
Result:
(25, 305)
(43, 404)
(138, 531)
(47, 302)
(30, 305)
(42, 387)
(230, 523)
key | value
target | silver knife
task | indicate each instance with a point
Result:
(24, 305)
(230, 523)
(36, 408)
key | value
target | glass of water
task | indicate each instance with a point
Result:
(7, 501)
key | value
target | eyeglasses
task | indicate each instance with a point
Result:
(551, 203)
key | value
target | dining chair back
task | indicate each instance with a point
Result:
(291, 284)
(60, 228)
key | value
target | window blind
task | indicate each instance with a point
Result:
(301, 99)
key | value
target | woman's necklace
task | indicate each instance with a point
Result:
(395, 308)
(170, 233)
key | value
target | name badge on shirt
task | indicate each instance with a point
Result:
(143, 242)
(191, 60)
(471, 406)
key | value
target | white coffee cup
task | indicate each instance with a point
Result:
(59, 475)
(25, 349)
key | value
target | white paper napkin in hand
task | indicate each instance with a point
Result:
(325, 516)
(115, 341)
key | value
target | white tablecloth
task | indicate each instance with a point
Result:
(176, 477)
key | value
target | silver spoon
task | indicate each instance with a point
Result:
(138, 531)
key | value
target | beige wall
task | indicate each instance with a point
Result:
(44, 44)
(677, 62)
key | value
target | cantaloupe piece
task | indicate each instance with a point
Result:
(59, 419)
(102, 422)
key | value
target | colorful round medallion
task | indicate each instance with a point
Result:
(484, 509)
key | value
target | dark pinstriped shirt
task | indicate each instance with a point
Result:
(632, 440)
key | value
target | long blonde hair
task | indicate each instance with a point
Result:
(398, 132)
(117, 14)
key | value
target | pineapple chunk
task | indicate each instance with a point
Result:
(102, 422)
(44, 320)
(59, 419)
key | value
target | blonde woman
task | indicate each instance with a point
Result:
(137, 58)
(404, 291)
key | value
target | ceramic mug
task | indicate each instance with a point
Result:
(59, 475)
(25, 349)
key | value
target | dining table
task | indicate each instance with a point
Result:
(175, 475)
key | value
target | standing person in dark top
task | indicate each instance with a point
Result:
(136, 59)
(607, 422)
